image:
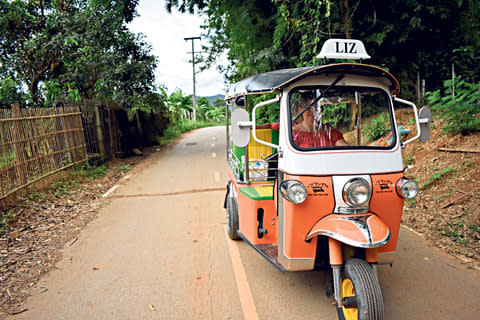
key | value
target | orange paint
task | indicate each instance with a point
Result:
(335, 252)
(248, 223)
(371, 255)
(388, 205)
(299, 218)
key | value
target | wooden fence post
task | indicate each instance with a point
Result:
(101, 145)
(18, 145)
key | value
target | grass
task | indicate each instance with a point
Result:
(409, 159)
(175, 130)
(436, 176)
(87, 171)
(6, 218)
(460, 232)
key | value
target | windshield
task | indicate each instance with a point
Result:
(331, 117)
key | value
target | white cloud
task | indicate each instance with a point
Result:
(166, 33)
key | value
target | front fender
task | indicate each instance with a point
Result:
(365, 231)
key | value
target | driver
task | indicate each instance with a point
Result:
(310, 132)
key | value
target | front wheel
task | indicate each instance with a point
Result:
(360, 292)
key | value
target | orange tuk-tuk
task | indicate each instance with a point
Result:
(323, 184)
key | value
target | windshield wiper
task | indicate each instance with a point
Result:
(340, 77)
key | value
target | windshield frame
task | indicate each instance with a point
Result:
(351, 88)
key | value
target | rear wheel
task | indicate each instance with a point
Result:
(360, 292)
(232, 216)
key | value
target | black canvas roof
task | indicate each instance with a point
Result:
(274, 80)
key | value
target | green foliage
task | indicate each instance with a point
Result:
(62, 187)
(6, 218)
(436, 176)
(97, 172)
(65, 51)
(207, 112)
(461, 112)
(461, 231)
(10, 92)
(266, 114)
(87, 171)
(219, 103)
(335, 114)
(37, 196)
(174, 131)
(377, 126)
(409, 159)
(180, 108)
(405, 36)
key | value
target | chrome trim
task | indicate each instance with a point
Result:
(287, 184)
(348, 185)
(338, 184)
(337, 279)
(352, 243)
(350, 210)
(400, 183)
(362, 226)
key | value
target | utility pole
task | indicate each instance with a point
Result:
(193, 66)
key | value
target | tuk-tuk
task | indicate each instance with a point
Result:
(323, 185)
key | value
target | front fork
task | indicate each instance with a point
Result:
(336, 262)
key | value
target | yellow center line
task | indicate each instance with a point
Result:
(246, 298)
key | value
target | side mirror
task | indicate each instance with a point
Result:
(240, 101)
(425, 118)
(240, 127)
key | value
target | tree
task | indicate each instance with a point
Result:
(71, 50)
(408, 37)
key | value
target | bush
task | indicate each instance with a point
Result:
(461, 113)
(378, 126)
(176, 129)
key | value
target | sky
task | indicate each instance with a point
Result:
(166, 33)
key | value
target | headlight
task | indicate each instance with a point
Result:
(293, 190)
(356, 192)
(406, 188)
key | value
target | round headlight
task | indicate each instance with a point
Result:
(356, 192)
(294, 191)
(406, 188)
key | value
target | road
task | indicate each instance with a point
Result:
(159, 250)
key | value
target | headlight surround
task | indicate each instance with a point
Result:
(294, 191)
(357, 192)
(406, 188)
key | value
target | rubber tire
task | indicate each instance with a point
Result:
(232, 216)
(367, 289)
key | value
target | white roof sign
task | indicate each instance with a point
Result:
(343, 49)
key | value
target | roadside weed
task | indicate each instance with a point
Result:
(436, 176)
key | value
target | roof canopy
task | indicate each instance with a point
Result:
(271, 81)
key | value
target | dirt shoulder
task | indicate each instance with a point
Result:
(447, 209)
(43, 223)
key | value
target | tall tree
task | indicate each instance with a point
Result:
(406, 36)
(75, 50)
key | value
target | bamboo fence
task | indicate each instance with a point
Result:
(35, 143)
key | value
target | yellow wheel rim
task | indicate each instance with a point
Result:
(348, 290)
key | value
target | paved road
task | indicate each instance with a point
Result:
(159, 251)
